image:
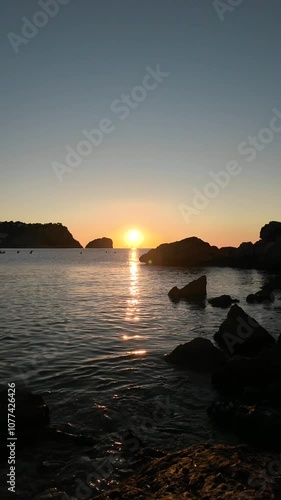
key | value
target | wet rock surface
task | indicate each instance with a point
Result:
(209, 472)
(199, 355)
(223, 301)
(196, 291)
(241, 334)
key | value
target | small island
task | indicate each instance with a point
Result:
(100, 243)
(20, 235)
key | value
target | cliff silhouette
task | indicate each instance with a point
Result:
(21, 235)
(192, 252)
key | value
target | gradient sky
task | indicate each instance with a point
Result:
(224, 80)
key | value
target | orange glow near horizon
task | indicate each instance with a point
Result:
(141, 230)
(133, 238)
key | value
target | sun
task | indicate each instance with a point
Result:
(133, 238)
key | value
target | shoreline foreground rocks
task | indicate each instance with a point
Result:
(209, 471)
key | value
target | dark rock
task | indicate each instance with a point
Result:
(195, 291)
(199, 354)
(21, 235)
(261, 296)
(193, 252)
(223, 301)
(253, 379)
(187, 252)
(273, 285)
(241, 334)
(224, 257)
(248, 422)
(100, 243)
(272, 259)
(205, 471)
(271, 232)
(244, 256)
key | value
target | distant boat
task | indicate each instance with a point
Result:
(2, 252)
(31, 251)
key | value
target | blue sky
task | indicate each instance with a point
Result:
(224, 80)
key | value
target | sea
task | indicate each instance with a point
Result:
(88, 330)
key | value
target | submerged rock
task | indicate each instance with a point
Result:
(223, 301)
(194, 291)
(253, 379)
(54, 494)
(241, 334)
(199, 354)
(209, 472)
(248, 422)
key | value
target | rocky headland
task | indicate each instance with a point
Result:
(21, 235)
(100, 243)
(194, 252)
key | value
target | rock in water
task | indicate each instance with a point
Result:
(241, 334)
(199, 354)
(194, 291)
(261, 296)
(248, 422)
(100, 243)
(223, 301)
(187, 252)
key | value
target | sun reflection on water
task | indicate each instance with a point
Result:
(132, 312)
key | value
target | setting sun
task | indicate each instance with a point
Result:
(133, 238)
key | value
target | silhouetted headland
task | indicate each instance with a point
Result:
(21, 235)
(193, 252)
(100, 243)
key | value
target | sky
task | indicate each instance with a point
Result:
(175, 91)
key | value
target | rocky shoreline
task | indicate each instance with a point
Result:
(244, 366)
(193, 252)
(243, 363)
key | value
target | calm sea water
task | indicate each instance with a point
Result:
(88, 332)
